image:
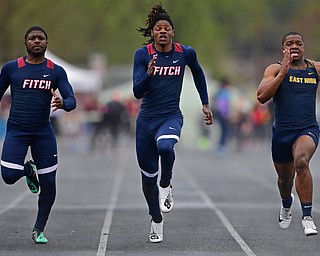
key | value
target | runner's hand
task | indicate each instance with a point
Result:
(56, 102)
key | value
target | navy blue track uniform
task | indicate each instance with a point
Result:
(159, 123)
(294, 107)
(29, 125)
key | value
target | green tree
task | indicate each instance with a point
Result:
(234, 38)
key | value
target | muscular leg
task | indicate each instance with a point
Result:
(46, 198)
(166, 152)
(151, 193)
(300, 152)
(148, 159)
(286, 173)
(11, 176)
(303, 150)
(14, 150)
(44, 153)
(167, 136)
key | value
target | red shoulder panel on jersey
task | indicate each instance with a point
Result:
(21, 62)
(50, 64)
(178, 47)
(151, 49)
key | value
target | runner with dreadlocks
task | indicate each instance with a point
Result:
(157, 78)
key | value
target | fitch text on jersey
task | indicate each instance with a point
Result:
(36, 84)
(167, 71)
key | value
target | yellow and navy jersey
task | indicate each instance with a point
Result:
(161, 93)
(30, 87)
(295, 99)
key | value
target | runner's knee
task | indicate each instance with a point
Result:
(165, 146)
(11, 176)
(149, 182)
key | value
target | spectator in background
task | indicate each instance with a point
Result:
(114, 119)
(221, 109)
(260, 118)
(132, 105)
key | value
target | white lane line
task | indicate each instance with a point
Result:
(219, 213)
(139, 206)
(111, 207)
(14, 202)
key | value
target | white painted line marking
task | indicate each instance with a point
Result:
(14, 202)
(219, 213)
(111, 207)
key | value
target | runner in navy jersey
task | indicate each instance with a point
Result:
(157, 78)
(33, 80)
(293, 83)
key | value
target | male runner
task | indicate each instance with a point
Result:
(33, 80)
(157, 78)
(293, 83)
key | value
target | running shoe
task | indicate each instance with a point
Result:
(38, 237)
(32, 180)
(156, 232)
(166, 198)
(308, 226)
(285, 216)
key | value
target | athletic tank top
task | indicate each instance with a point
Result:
(295, 99)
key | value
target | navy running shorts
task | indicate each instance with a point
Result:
(282, 143)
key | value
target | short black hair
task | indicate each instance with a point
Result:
(289, 34)
(33, 28)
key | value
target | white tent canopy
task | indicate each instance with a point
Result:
(82, 80)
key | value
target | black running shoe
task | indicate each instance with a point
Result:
(32, 180)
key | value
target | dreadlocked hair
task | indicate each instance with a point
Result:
(157, 13)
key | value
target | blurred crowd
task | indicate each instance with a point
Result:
(96, 125)
(239, 119)
(239, 122)
(105, 125)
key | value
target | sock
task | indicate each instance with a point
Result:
(164, 185)
(306, 209)
(287, 202)
(28, 170)
(157, 219)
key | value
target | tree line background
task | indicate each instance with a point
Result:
(233, 38)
